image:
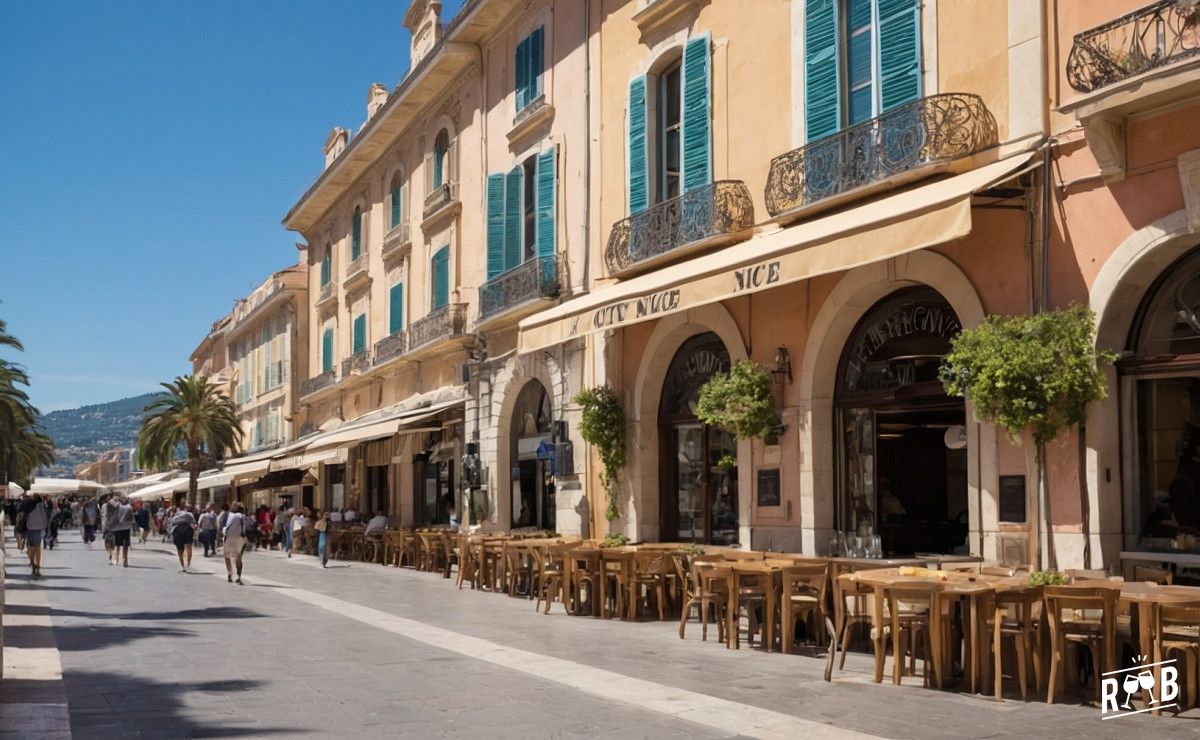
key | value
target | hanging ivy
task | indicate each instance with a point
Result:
(739, 401)
(603, 427)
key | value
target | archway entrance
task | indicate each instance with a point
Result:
(530, 451)
(699, 501)
(902, 440)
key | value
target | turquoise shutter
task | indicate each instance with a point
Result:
(546, 178)
(356, 235)
(441, 277)
(325, 267)
(396, 308)
(360, 333)
(822, 111)
(639, 193)
(522, 75)
(495, 225)
(534, 76)
(899, 52)
(396, 205)
(327, 351)
(514, 217)
(697, 126)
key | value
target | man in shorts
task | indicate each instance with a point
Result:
(236, 525)
(37, 521)
(122, 531)
(108, 523)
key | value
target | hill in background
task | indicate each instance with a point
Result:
(83, 434)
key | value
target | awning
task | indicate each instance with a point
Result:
(375, 429)
(64, 485)
(309, 459)
(159, 490)
(887, 227)
(142, 482)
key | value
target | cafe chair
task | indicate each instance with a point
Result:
(451, 554)
(1086, 574)
(1013, 615)
(551, 567)
(687, 571)
(1084, 616)
(854, 603)
(649, 575)
(1177, 630)
(802, 595)
(914, 610)
(1161, 576)
(715, 583)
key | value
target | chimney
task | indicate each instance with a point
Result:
(423, 19)
(334, 144)
(377, 95)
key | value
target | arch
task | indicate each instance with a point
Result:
(854, 295)
(441, 157)
(639, 507)
(510, 381)
(395, 189)
(1117, 292)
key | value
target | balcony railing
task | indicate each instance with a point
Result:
(440, 197)
(390, 347)
(326, 292)
(395, 239)
(440, 323)
(930, 131)
(1159, 34)
(356, 269)
(318, 382)
(359, 361)
(719, 208)
(534, 278)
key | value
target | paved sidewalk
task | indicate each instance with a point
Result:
(370, 650)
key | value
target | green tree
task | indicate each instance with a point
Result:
(739, 401)
(196, 416)
(23, 446)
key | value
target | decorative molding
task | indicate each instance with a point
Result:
(530, 123)
(1189, 181)
(663, 16)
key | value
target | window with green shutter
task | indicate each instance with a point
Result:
(639, 191)
(529, 68)
(356, 234)
(697, 125)
(327, 350)
(326, 266)
(546, 180)
(396, 308)
(440, 273)
(513, 215)
(495, 225)
(360, 333)
(441, 150)
(394, 195)
(861, 58)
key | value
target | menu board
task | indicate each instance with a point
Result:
(768, 487)
(1012, 498)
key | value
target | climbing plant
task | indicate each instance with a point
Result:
(603, 427)
(739, 401)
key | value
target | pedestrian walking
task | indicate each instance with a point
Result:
(183, 529)
(283, 525)
(19, 529)
(298, 523)
(108, 525)
(208, 531)
(37, 521)
(122, 531)
(323, 536)
(141, 517)
(236, 527)
(89, 516)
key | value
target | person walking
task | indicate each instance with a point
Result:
(323, 536)
(298, 523)
(208, 531)
(141, 517)
(236, 527)
(89, 516)
(123, 531)
(108, 526)
(183, 529)
(283, 523)
(37, 521)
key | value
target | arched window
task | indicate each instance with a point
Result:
(327, 265)
(395, 202)
(356, 234)
(441, 151)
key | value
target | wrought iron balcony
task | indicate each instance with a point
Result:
(442, 196)
(926, 132)
(440, 323)
(1154, 36)
(533, 279)
(395, 239)
(356, 362)
(318, 382)
(718, 209)
(390, 347)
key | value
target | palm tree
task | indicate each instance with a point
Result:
(195, 415)
(23, 447)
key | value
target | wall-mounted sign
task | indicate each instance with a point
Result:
(1012, 498)
(768, 487)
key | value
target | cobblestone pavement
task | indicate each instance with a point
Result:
(365, 650)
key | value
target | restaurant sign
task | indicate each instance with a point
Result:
(1159, 693)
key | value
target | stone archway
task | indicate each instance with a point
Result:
(854, 295)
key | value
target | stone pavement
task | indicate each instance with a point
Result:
(366, 650)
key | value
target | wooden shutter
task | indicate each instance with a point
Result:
(325, 265)
(697, 126)
(360, 333)
(495, 225)
(639, 176)
(441, 277)
(327, 351)
(396, 204)
(899, 52)
(544, 212)
(822, 99)
(356, 235)
(514, 217)
(430, 183)
(522, 74)
(396, 308)
(536, 54)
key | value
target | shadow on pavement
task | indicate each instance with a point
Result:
(107, 705)
(83, 637)
(10, 585)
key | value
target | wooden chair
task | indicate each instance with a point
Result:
(1086, 574)
(715, 584)
(649, 575)
(755, 593)
(688, 574)
(1161, 576)
(1177, 630)
(468, 562)
(1084, 616)
(914, 610)
(517, 573)
(585, 575)
(802, 595)
(1014, 615)
(853, 604)
(451, 555)
(551, 568)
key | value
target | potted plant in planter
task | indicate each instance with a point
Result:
(740, 402)
(603, 427)
(1031, 375)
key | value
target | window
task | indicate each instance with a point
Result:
(441, 152)
(360, 333)
(520, 213)
(326, 265)
(529, 69)
(396, 308)
(395, 201)
(440, 272)
(356, 234)
(327, 350)
(862, 57)
(670, 128)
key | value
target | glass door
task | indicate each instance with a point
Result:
(722, 487)
(689, 482)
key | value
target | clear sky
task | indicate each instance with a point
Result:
(151, 150)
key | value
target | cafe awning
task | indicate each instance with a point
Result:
(880, 229)
(303, 460)
(400, 421)
(169, 487)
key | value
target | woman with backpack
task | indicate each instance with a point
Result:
(183, 530)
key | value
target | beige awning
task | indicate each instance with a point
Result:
(887, 227)
(405, 421)
(306, 460)
(161, 489)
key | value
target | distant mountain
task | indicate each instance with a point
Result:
(83, 434)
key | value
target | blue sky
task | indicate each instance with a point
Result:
(152, 149)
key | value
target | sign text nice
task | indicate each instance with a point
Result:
(655, 303)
